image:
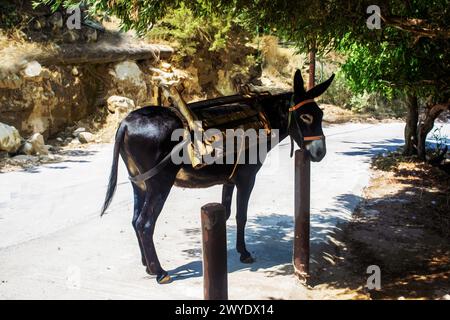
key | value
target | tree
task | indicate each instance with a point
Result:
(410, 54)
(400, 64)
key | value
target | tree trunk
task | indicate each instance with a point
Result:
(312, 68)
(411, 125)
(426, 125)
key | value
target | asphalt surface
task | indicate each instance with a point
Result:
(54, 245)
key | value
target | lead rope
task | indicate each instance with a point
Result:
(238, 157)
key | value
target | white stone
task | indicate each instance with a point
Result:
(85, 137)
(38, 144)
(10, 139)
(120, 104)
(32, 69)
(129, 70)
(166, 66)
(78, 131)
(75, 71)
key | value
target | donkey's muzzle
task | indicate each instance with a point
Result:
(317, 149)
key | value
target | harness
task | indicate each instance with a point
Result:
(290, 116)
(157, 168)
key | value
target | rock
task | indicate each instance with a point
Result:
(91, 35)
(49, 158)
(75, 141)
(71, 36)
(166, 67)
(51, 148)
(27, 148)
(38, 144)
(56, 20)
(60, 140)
(75, 72)
(370, 212)
(120, 104)
(78, 131)
(446, 297)
(3, 155)
(86, 137)
(129, 70)
(38, 24)
(32, 69)
(24, 159)
(11, 82)
(10, 139)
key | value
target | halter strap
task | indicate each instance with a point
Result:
(300, 104)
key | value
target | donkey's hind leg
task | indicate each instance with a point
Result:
(158, 190)
(139, 198)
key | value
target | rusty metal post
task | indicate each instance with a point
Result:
(215, 280)
(302, 206)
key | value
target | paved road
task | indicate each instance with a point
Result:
(54, 245)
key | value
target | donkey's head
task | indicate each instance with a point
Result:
(305, 118)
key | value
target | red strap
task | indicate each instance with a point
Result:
(298, 105)
(312, 138)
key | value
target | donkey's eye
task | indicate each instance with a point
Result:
(307, 118)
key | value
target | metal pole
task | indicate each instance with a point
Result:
(302, 205)
(215, 281)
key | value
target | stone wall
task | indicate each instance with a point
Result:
(52, 98)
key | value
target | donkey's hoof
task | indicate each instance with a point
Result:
(150, 272)
(247, 259)
(164, 278)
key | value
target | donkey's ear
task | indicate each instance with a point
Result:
(299, 88)
(320, 88)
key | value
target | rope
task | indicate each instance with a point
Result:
(238, 157)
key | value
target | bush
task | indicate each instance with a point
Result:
(9, 15)
(338, 93)
(186, 32)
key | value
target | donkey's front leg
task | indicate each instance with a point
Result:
(227, 196)
(244, 190)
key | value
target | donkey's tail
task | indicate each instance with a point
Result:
(113, 175)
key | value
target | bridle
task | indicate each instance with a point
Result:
(303, 138)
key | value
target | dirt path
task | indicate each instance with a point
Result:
(54, 245)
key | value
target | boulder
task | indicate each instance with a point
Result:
(86, 137)
(120, 104)
(37, 144)
(129, 71)
(10, 139)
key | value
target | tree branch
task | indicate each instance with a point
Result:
(416, 26)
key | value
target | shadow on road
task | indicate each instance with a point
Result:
(269, 239)
(372, 149)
